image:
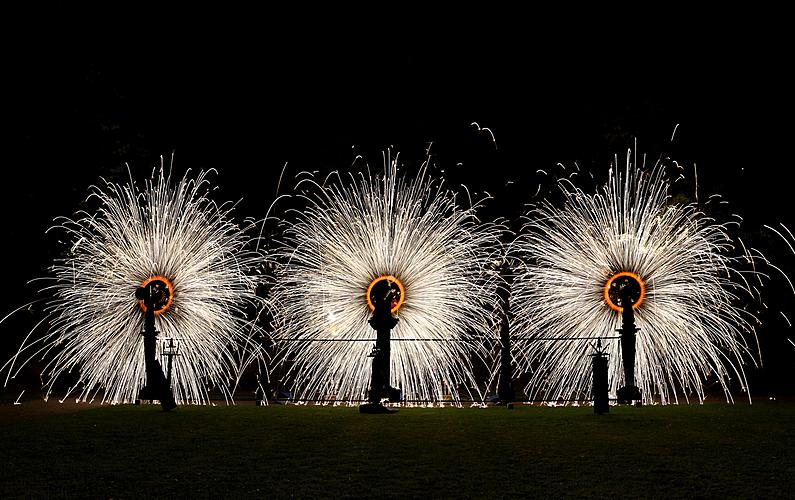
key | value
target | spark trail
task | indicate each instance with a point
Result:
(355, 229)
(693, 326)
(172, 231)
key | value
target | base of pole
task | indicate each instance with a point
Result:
(168, 405)
(628, 394)
(375, 408)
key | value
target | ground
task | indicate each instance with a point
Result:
(711, 450)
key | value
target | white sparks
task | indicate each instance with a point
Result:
(691, 326)
(355, 229)
(485, 129)
(167, 228)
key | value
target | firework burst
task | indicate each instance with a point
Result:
(170, 232)
(688, 282)
(413, 234)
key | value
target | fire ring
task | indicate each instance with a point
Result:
(161, 288)
(619, 281)
(390, 282)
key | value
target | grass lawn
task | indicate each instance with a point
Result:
(713, 450)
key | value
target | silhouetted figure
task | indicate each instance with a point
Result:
(630, 392)
(505, 392)
(156, 384)
(382, 322)
(600, 387)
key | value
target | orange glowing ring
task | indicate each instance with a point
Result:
(170, 293)
(390, 279)
(628, 274)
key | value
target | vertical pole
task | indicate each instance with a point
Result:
(504, 390)
(630, 392)
(381, 364)
(382, 322)
(170, 355)
(628, 346)
(156, 385)
(600, 386)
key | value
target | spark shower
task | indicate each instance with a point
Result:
(690, 281)
(355, 231)
(170, 232)
(410, 231)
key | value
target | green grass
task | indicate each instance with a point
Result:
(675, 451)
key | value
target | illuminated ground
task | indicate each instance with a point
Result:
(125, 451)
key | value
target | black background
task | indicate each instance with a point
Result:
(246, 94)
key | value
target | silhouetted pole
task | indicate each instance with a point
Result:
(382, 322)
(504, 390)
(600, 387)
(630, 392)
(156, 385)
(171, 351)
(628, 330)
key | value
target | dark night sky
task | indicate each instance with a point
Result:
(248, 98)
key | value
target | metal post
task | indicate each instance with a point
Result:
(156, 386)
(600, 385)
(505, 392)
(382, 322)
(630, 392)
(170, 353)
